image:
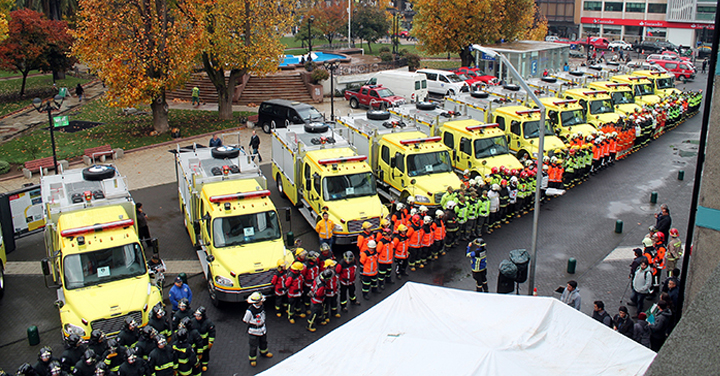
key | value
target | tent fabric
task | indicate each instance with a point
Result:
(424, 330)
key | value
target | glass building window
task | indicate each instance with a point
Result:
(635, 7)
(612, 31)
(592, 5)
(613, 7)
(657, 8)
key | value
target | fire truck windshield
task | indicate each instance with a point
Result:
(348, 186)
(428, 163)
(245, 229)
(102, 266)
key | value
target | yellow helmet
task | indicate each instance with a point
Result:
(298, 266)
(366, 225)
(383, 222)
(282, 263)
(299, 251)
(402, 227)
(329, 263)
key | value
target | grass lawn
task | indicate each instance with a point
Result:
(294, 47)
(127, 132)
(439, 64)
(4, 74)
(13, 86)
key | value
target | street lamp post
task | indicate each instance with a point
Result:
(310, 21)
(49, 106)
(330, 66)
(541, 152)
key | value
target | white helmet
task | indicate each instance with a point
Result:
(410, 200)
(495, 187)
(466, 172)
(471, 182)
(546, 159)
(427, 219)
(450, 204)
(372, 244)
(439, 213)
(413, 211)
(400, 206)
(423, 209)
(512, 179)
(479, 180)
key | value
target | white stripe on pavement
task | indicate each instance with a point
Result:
(34, 267)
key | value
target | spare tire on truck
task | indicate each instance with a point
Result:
(576, 73)
(479, 94)
(223, 152)
(428, 106)
(98, 172)
(378, 115)
(551, 80)
(316, 127)
(511, 87)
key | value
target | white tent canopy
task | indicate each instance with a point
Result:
(430, 330)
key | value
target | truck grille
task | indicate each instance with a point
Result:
(438, 197)
(113, 325)
(356, 226)
(255, 279)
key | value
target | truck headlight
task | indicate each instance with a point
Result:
(222, 281)
(74, 329)
(338, 228)
(535, 155)
(421, 198)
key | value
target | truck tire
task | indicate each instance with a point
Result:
(683, 79)
(479, 94)
(511, 87)
(595, 67)
(279, 185)
(551, 80)
(378, 115)
(211, 292)
(316, 128)
(354, 103)
(223, 152)
(576, 73)
(98, 172)
(267, 127)
(428, 106)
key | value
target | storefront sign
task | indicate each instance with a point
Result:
(646, 23)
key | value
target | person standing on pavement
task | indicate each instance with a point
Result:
(639, 257)
(704, 65)
(368, 259)
(601, 315)
(478, 263)
(663, 221)
(294, 285)
(622, 322)
(674, 251)
(642, 281)
(659, 329)
(195, 96)
(278, 282)
(257, 331)
(178, 291)
(641, 330)
(326, 230)
(160, 360)
(215, 141)
(79, 91)
(206, 328)
(143, 229)
(571, 295)
(255, 146)
(318, 292)
(347, 271)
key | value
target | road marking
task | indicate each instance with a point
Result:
(35, 268)
(621, 253)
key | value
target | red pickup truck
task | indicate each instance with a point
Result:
(373, 96)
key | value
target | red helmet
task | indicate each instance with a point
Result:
(514, 172)
(494, 170)
(416, 218)
(503, 182)
(674, 232)
(523, 174)
(502, 168)
(660, 237)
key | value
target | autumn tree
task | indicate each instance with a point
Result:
(442, 26)
(242, 36)
(330, 20)
(140, 48)
(370, 23)
(34, 42)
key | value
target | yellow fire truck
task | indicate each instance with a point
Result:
(94, 256)
(318, 170)
(231, 220)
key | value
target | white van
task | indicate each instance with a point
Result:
(410, 85)
(444, 82)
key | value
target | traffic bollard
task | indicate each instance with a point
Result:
(618, 226)
(653, 198)
(290, 239)
(33, 335)
(681, 174)
(572, 263)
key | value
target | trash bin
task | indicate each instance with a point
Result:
(572, 264)
(33, 335)
(521, 259)
(506, 277)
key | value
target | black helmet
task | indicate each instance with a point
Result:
(97, 335)
(158, 310)
(148, 332)
(184, 303)
(185, 322)
(55, 368)
(313, 256)
(131, 355)
(202, 312)
(113, 344)
(327, 274)
(479, 242)
(101, 369)
(181, 335)
(26, 369)
(45, 352)
(130, 323)
(349, 257)
(73, 340)
(89, 355)
(161, 341)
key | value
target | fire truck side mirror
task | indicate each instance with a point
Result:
(454, 156)
(392, 162)
(45, 266)
(288, 215)
(154, 244)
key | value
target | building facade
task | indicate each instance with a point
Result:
(682, 22)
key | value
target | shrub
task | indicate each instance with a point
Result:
(386, 56)
(318, 75)
(413, 61)
(4, 167)
(384, 49)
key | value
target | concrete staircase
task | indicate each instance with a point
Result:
(257, 90)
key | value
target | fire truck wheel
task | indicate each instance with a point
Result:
(378, 115)
(425, 105)
(212, 293)
(511, 87)
(479, 94)
(222, 152)
(354, 103)
(551, 80)
(576, 73)
(316, 127)
(98, 172)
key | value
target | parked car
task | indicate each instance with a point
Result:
(596, 42)
(373, 97)
(620, 45)
(683, 70)
(443, 82)
(667, 46)
(480, 75)
(648, 47)
(467, 75)
(675, 55)
(281, 112)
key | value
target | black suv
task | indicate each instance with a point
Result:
(280, 112)
(654, 47)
